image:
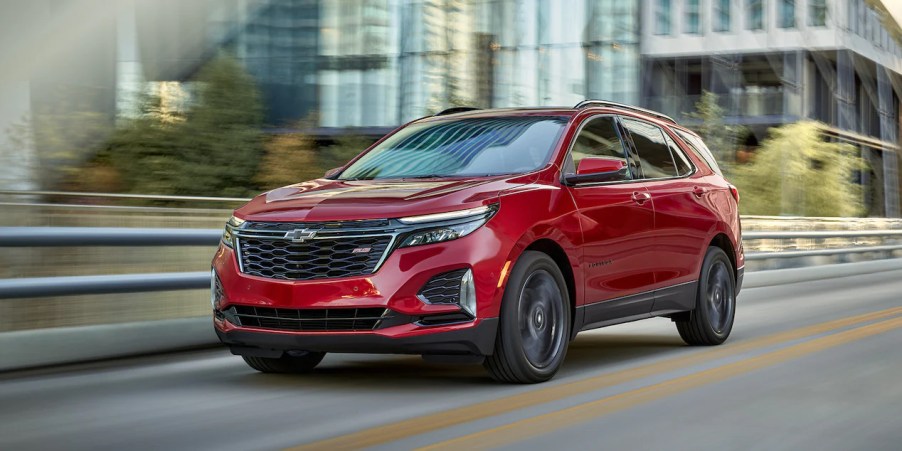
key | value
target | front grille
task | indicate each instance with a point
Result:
(310, 320)
(339, 249)
(443, 288)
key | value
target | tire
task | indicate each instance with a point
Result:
(534, 328)
(286, 364)
(711, 321)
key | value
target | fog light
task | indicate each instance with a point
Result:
(452, 287)
(468, 293)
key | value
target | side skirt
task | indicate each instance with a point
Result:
(662, 302)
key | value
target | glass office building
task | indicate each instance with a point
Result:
(378, 63)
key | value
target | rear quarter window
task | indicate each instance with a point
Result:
(654, 155)
(698, 147)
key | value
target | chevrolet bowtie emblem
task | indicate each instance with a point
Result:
(300, 235)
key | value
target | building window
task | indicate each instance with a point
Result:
(817, 13)
(787, 9)
(721, 15)
(754, 14)
(662, 17)
(693, 20)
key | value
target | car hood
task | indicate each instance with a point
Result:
(336, 200)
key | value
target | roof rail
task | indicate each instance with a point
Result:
(454, 110)
(605, 103)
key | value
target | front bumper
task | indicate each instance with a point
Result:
(422, 327)
(477, 338)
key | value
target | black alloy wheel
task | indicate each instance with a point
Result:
(711, 321)
(534, 328)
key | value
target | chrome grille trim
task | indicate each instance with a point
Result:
(275, 236)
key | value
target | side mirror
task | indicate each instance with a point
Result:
(598, 169)
(333, 171)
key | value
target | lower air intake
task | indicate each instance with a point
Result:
(311, 320)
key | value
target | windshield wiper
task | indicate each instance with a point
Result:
(427, 176)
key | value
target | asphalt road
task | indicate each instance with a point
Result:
(812, 365)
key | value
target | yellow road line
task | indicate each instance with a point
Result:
(419, 425)
(549, 422)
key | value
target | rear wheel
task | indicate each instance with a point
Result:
(534, 328)
(711, 321)
(296, 363)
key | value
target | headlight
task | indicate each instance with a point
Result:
(227, 234)
(440, 227)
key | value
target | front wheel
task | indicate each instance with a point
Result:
(296, 363)
(711, 321)
(534, 328)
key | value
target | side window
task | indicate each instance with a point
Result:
(684, 167)
(654, 155)
(700, 150)
(598, 138)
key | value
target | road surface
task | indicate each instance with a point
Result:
(814, 365)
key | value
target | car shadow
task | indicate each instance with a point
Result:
(589, 353)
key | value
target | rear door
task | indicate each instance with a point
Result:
(617, 221)
(683, 219)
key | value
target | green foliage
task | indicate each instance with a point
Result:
(212, 149)
(797, 172)
(718, 136)
(295, 157)
(60, 137)
(343, 150)
(290, 158)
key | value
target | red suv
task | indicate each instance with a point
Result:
(491, 235)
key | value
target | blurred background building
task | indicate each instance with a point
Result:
(74, 69)
(776, 62)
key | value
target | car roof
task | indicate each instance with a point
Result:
(475, 113)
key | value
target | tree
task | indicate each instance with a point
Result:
(295, 157)
(797, 172)
(289, 158)
(46, 148)
(718, 136)
(212, 149)
(342, 151)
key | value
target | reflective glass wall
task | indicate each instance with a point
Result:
(378, 63)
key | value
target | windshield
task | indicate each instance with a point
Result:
(462, 147)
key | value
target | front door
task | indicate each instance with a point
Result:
(617, 221)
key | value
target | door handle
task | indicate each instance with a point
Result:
(641, 197)
(699, 191)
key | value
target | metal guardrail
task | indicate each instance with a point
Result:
(135, 283)
(35, 287)
(123, 196)
(105, 236)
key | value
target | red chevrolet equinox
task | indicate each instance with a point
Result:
(486, 235)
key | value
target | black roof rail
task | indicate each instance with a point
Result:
(605, 103)
(455, 109)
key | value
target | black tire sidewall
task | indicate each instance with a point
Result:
(528, 263)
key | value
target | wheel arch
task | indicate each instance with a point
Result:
(722, 241)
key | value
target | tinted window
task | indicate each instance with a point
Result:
(598, 138)
(684, 167)
(698, 147)
(654, 155)
(462, 147)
